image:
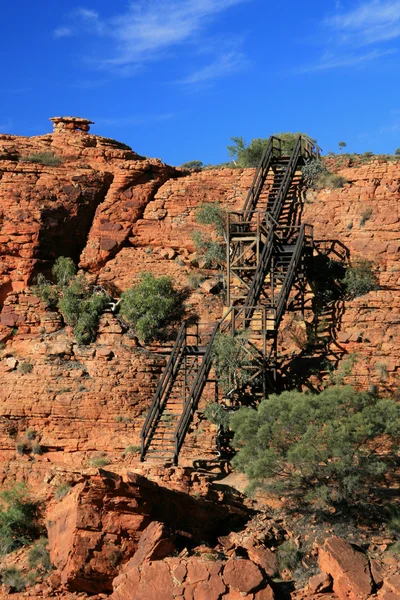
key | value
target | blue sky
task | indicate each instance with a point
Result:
(175, 79)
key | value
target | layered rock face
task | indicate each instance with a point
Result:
(123, 214)
(100, 522)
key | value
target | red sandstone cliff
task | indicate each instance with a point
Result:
(120, 214)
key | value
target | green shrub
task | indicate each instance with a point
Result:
(30, 435)
(99, 461)
(323, 449)
(37, 449)
(43, 158)
(212, 213)
(289, 556)
(217, 414)
(13, 578)
(397, 152)
(231, 360)
(211, 251)
(152, 306)
(19, 519)
(359, 278)
(366, 215)
(192, 164)
(46, 291)
(25, 367)
(62, 490)
(39, 556)
(312, 170)
(131, 450)
(64, 269)
(79, 303)
(249, 155)
(195, 280)
(317, 176)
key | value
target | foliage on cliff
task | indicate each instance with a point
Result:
(19, 519)
(324, 449)
(245, 154)
(152, 306)
(211, 246)
(80, 303)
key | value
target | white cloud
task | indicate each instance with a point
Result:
(371, 22)
(329, 61)
(61, 32)
(223, 65)
(152, 29)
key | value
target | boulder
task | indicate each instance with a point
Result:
(242, 575)
(349, 568)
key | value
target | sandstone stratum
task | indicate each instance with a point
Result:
(141, 531)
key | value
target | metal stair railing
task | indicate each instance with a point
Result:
(272, 149)
(163, 390)
(305, 235)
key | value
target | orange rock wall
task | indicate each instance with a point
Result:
(139, 215)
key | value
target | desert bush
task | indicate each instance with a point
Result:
(231, 360)
(61, 491)
(100, 460)
(212, 213)
(19, 519)
(64, 269)
(360, 278)
(318, 177)
(322, 450)
(192, 164)
(249, 155)
(217, 414)
(152, 306)
(289, 556)
(366, 215)
(131, 449)
(25, 367)
(211, 251)
(39, 556)
(44, 158)
(79, 303)
(211, 247)
(46, 291)
(13, 579)
(195, 280)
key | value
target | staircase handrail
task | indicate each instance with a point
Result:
(272, 149)
(162, 390)
(288, 281)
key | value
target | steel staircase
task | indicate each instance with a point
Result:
(264, 259)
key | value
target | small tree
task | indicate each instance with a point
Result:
(152, 306)
(249, 155)
(342, 145)
(397, 152)
(231, 361)
(80, 303)
(324, 449)
(211, 247)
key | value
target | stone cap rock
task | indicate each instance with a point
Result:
(71, 123)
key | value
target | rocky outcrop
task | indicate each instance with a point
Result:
(100, 521)
(196, 578)
(50, 189)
